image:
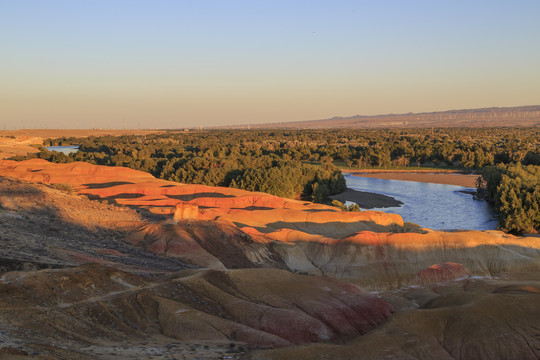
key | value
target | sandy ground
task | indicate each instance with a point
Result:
(438, 178)
(18, 146)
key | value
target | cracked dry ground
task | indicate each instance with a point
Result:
(97, 296)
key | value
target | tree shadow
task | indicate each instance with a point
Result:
(339, 229)
(188, 197)
(107, 184)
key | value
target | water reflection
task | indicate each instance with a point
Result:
(435, 206)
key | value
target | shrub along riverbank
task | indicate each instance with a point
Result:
(514, 191)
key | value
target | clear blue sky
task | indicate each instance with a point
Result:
(183, 63)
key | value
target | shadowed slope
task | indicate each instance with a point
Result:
(85, 305)
(43, 227)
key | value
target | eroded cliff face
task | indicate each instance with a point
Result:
(155, 269)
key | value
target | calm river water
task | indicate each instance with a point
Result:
(63, 149)
(435, 206)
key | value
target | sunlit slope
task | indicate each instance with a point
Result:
(231, 228)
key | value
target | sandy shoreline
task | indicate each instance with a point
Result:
(367, 200)
(458, 179)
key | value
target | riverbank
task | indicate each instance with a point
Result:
(367, 200)
(447, 178)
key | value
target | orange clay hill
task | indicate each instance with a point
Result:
(218, 227)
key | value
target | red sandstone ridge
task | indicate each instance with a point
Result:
(233, 206)
(218, 227)
(442, 272)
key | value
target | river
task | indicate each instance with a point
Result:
(64, 149)
(434, 206)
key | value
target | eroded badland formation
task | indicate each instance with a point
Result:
(112, 263)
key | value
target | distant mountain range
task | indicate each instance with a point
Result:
(519, 116)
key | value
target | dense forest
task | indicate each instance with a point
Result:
(463, 148)
(303, 163)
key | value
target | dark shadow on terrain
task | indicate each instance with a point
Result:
(112, 198)
(254, 208)
(188, 197)
(345, 229)
(266, 208)
(37, 232)
(24, 190)
(320, 210)
(9, 264)
(107, 185)
(123, 196)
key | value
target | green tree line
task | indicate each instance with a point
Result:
(469, 148)
(209, 159)
(515, 192)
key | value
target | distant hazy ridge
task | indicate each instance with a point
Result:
(485, 117)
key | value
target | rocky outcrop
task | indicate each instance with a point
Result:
(442, 272)
(185, 211)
